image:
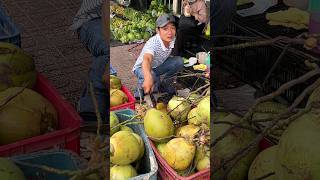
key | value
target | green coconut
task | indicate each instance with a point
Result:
(264, 164)
(124, 148)
(158, 125)
(299, 147)
(203, 163)
(10, 171)
(26, 115)
(178, 108)
(161, 107)
(113, 122)
(201, 152)
(194, 117)
(115, 82)
(125, 128)
(17, 68)
(236, 140)
(141, 145)
(267, 110)
(161, 148)
(179, 153)
(194, 97)
(270, 107)
(217, 115)
(203, 109)
(117, 97)
(122, 172)
(94, 176)
(315, 96)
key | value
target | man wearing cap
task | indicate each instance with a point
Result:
(155, 60)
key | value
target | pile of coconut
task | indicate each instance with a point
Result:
(24, 113)
(181, 132)
(126, 149)
(117, 96)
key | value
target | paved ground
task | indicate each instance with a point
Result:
(58, 53)
(122, 60)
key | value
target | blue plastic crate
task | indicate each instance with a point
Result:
(8, 29)
(149, 168)
(112, 71)
(60, 159)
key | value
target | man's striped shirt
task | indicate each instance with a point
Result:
(89, 9)
(156, 48)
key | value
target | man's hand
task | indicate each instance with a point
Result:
(147, 85)
(194, 14)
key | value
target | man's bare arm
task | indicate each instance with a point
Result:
(146, 68)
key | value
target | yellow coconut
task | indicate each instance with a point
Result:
(203, 163)
(179, 153)
(117, 97)
(203, 109)
(10, 171)
(141, 145)
(26, 115)
(122, 172)
(158, 125)
(188, 131)
(124, 148)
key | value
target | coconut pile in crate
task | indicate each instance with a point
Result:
(126, 150)
(24, 113)
(181, 132)
(294, 132)
(117, 96)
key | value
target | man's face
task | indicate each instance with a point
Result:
(168, 32)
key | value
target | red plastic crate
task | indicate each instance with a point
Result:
(66, 137)
(131, 101)
(165, 172)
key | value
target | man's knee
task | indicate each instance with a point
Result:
(91, 34)
(96, 72)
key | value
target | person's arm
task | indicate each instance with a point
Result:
(146, 68)
(106, 19)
